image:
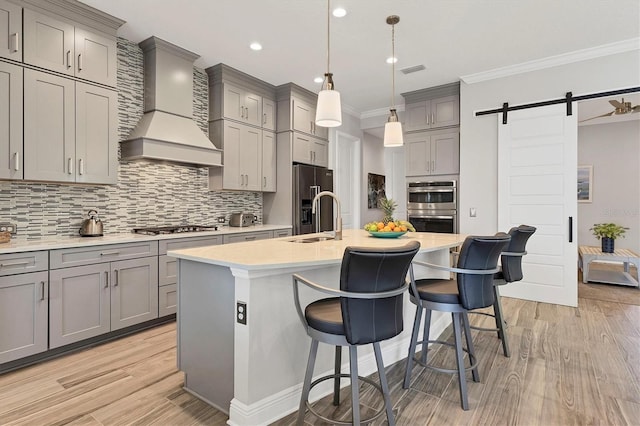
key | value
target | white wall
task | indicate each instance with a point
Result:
(372, 162)
(614, 152)
(479, 136)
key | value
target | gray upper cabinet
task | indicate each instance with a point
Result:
(70, 130)
(310, 150)
(304, 116)
(242, 113)
(96, 134)
(11, 152)
(268, 114)
(60, 46)
(242, 149)
(242, 105)
(10, 31)
(49, 131)
(269, 160)
(434, 113)
(432, 153)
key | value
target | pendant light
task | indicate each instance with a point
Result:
(328, 110)
(393, 127)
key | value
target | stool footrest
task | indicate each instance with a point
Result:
(347, 376)
(473, 362)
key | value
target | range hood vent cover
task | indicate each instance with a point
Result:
(167, 131)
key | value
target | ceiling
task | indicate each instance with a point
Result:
(451, 38)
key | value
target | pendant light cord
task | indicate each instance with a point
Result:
(393, 65)
(327, 75)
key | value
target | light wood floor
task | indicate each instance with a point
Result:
(568, 366)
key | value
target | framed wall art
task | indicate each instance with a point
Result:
(585, 184)
(375, 190)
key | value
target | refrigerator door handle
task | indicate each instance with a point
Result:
(315, 190)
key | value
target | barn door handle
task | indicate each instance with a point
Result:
(570, 229)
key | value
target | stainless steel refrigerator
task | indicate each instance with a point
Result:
(307, 182)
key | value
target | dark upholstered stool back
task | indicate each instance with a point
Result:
(512, 265)
(476, 291)
(366, 270)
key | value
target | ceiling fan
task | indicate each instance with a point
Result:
(621, 107)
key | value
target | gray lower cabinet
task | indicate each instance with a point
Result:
(168, 269)
(94, 290)
(282, 233)
(24, 310)
(10, 121)
(24, 302)
(69, 130)
(10, 30)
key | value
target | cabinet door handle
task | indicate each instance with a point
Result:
(433, 120)
(106, 279)
(433, 166)
(264, 118)
(70, 165)
(249, 238)
(16, 159)
(68, 59)
(115, 278)
(265, 181)
(2, 265)
(81, 166)
(107, 253)
(80, 62)
(16, 42)
(42, 290)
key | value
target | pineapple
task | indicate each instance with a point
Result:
(388, 206)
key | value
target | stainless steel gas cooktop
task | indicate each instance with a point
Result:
(174, 229)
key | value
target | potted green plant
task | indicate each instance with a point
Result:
(608, 232)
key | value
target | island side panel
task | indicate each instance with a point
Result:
(206, 312)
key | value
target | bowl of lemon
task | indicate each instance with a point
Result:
(391, 229)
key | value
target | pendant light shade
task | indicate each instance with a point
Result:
(328, 109)
(393, 131)
(393, 127)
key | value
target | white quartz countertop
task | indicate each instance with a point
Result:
(54, 242)
(282, 253)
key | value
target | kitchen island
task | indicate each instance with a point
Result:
(240, 342)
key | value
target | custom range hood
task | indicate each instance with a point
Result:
(167, 131)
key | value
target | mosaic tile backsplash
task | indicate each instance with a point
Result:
(147, 193)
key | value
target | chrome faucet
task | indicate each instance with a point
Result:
(338, 229)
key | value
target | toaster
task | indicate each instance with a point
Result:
(241, 219)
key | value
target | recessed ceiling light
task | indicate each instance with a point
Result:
(318, 80)
(255, 46)
(391, 60)
(339, 12)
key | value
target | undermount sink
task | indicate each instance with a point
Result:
(312, 239)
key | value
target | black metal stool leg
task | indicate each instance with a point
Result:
(355, 397)
(470, 348)
(462, 380)
(500, 324)
(306, 387)
(412, 346)
(425, 335)
(336, 381)
(383, 383)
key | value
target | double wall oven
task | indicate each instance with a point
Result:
(432, 206)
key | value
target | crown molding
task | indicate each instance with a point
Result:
(554, 61)
(380, 112)
(348, 109)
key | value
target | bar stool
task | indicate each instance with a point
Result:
(511, 271)
(367, 309)
(472, 289)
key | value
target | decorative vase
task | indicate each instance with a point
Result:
(607, 245)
